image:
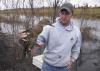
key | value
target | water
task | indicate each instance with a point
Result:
(16, 28)
(90, 23)
(11, 29)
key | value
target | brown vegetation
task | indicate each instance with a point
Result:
(49, 11)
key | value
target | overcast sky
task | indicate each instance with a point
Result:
(8, 4)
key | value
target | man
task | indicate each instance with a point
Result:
(62, 42)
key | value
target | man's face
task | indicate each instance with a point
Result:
(65, 17)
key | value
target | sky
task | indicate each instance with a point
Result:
(82, 2)
(10, 4)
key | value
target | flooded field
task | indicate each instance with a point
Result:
(17, 27)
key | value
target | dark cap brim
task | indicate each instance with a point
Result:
(66, 9)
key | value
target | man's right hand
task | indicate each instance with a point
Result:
(69, 66)
(39, 45)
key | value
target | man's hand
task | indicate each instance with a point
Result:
(70, 65)
(39, 46)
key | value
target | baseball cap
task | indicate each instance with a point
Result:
(67, 6)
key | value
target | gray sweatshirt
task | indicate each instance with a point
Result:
(61, 43)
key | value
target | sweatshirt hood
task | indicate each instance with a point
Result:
(58, 24)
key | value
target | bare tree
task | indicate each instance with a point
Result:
(56, 5)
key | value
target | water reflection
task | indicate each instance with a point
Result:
(29, 22)
(11, 29)
(88, 23)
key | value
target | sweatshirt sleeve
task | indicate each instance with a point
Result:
(76, 48)
(43, 36)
